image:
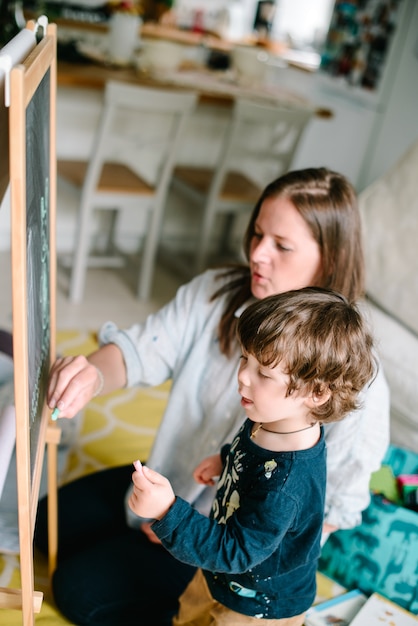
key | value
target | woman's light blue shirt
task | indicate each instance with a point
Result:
(180, 342)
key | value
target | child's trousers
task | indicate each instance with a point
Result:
(198, 608)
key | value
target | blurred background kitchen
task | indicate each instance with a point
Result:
(354, 62)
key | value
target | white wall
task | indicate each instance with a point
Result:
(338, 142)
(369, 131)
(396, 126)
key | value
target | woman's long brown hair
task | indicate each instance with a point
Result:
(328, 203)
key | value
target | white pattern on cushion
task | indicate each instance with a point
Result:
(389, 209)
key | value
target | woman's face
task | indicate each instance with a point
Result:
(283, 253)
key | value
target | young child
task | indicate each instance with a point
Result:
(306, 354)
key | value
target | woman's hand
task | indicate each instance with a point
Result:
(75, 380)
(327, 528)
(147, 530)
(152, 494)
(208, 469)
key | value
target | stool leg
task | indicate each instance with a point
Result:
(150, 250)
(78, 273)
(203, 243)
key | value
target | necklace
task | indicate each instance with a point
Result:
(276, 432)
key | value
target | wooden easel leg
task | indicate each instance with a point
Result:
(53, 436)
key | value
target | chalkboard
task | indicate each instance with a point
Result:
(37, 254)
(32, 192)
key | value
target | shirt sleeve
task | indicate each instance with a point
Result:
(154, 349)
(250, 536)
(355, 449)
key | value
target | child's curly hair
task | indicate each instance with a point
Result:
(322, 341)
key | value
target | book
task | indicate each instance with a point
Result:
(327, 588)
(379, 611)
(338, 611)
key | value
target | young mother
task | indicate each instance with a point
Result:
(304, 231)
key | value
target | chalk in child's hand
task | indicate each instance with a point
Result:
(55, 413)
(137, 465)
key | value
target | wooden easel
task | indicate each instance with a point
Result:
(32, 92)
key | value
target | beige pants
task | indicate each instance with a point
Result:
(198, 608)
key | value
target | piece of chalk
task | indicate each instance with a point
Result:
(55, 413)
(137, 465)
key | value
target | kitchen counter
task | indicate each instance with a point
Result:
(95, 76)
(216, 87)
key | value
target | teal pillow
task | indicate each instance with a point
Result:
(381, 554)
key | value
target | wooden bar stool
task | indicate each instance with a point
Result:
(259, 146)
(131, 163)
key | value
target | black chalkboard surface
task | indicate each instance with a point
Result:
(38, 253)
(32, 164)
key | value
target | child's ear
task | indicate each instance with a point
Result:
(316, 399)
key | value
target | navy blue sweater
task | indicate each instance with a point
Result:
(259, 548)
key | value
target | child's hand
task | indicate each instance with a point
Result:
(152, 495)
(208, 469)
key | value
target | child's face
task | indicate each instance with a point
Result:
(263, 393)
